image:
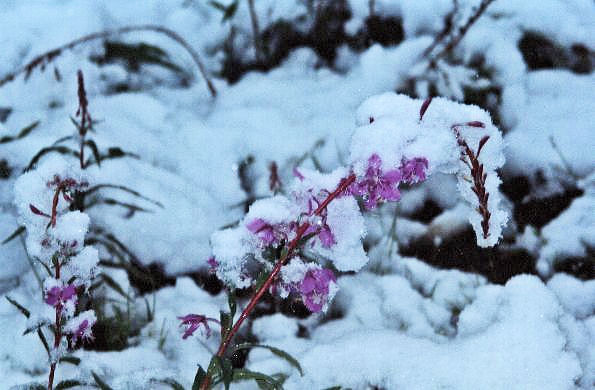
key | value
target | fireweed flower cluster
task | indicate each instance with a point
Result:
(55, 238)
(298, 241)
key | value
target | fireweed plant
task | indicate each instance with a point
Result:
(56, 239)
(294, 244)
(49, 197)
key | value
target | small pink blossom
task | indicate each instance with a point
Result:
(414, 170)
(377, 185)
(314, 288)
(80, 327)
(193, 321)
(58, 296)
(263, 230)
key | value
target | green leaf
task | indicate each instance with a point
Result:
(70, 359)
(215, 367)
(43, 341)
(100, 383)
(282, 354)
(22, 134)
(91, 144)
(21, 308)
(67, 384)
(230, 11)
(226, 323)
(33, 386)
(125, 189)
(217, 5)
(263, 380)
(334, 388)
(14, 235)
(199, 378)
(36, 326)
(226, 372)
(261, 279)
(231, 302)
(175, 385)
(50, 149)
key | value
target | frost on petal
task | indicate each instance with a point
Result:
(316, 289)
(56, 294)
(80, 327)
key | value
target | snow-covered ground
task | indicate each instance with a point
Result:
(397, 323)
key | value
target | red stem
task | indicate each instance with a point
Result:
(58, 333)
(290, 249)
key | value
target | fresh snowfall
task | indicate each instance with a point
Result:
(297, 194)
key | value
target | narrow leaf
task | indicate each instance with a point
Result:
(14, 235)
(67, 384)
(91, 144)
(22, 134)
(424, 107)
(70, 359)
(282, 354)
(43, 341)
(226, 372)
(231, 302)
(36, 326)
(241, 374)
(21, 308)
(100, 383)
(50, 149)
(199, 378)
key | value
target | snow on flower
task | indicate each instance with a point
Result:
(80, 327)
(317, 289)
(316, 285)
(58, 296)
(420, 146)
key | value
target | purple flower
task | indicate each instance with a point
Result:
(82, 332)
(213, 264)
(314, 288)
(377, 185)
(57, 296)
(80, 327)
(193, 321)
(263, 230)
(414, 170)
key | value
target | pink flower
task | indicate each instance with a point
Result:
(314, 288)
(57, 296)
(80, 327)
(82, 332)
(213, 264)
(193, 321)
(377, 185)
(414, 170)
(263, 230)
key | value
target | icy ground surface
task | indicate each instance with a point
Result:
(398, 323)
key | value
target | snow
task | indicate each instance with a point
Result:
(397, 322)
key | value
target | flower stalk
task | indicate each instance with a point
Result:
(293, 244)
